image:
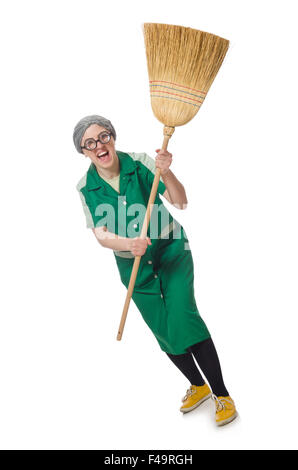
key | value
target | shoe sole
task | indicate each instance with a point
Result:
(228, 420)
(193, 407)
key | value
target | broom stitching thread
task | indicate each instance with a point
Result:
(181, 91)
(175, 94)
(177, 84)
(182, 101)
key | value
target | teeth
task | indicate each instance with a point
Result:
(102, 154)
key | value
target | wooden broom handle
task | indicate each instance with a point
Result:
(168, 131)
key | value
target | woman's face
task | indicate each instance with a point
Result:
(104, 155)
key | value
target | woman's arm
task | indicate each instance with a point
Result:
(110, 240)
(175, 192)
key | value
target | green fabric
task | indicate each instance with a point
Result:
(145, 160)
(89, 220)
(163, 292)
(135, 185)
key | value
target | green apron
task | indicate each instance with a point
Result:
(163, 292)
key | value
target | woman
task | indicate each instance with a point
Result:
(115, 188)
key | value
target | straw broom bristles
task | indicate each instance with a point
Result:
(182, 64)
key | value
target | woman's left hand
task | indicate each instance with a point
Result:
(163, 160)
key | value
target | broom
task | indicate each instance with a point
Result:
(182, 64)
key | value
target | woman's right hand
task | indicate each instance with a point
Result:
(138, 246)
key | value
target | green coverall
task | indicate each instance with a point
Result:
(164, 291)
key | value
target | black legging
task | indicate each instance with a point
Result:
(207, 359)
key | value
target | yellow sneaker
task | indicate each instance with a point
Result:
(225, 410)
(195, 395)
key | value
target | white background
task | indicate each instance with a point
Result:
(66, 383)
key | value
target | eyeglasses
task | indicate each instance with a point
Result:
(91, 144)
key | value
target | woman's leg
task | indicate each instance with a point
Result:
(207, 358)
(186, 364)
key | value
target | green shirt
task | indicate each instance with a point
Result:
(123, 211)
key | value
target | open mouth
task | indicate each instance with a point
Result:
(103, 156)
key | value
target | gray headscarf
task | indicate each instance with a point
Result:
(86, 122)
